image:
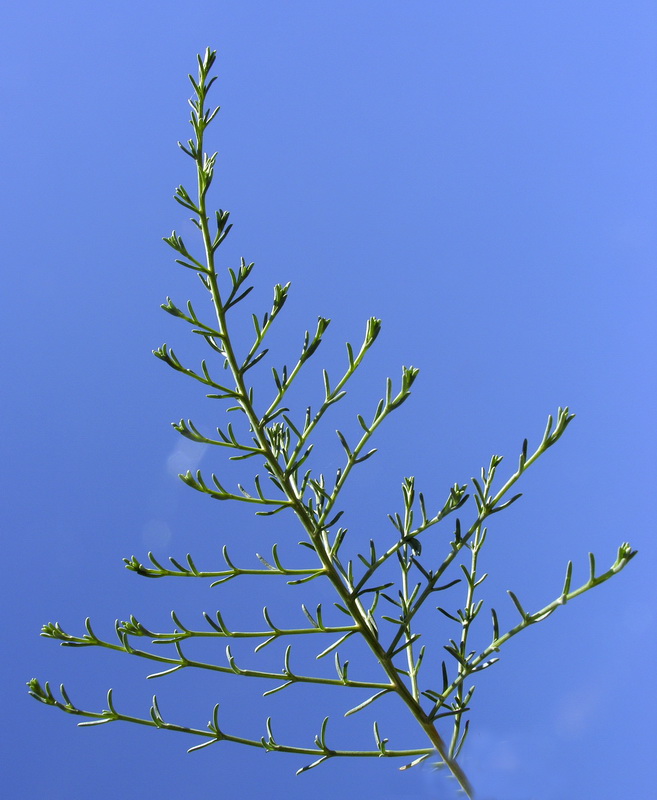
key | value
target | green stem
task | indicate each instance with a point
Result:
(468, 616)
(625, 555)
(313, 530)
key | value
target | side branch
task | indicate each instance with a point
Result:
(215, 734)
(191, 571)
(484, 660)
(219, 629)
(488, 504)
(55, 631)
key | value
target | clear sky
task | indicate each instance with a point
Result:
(480, 175)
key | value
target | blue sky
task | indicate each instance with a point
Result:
(482, 177)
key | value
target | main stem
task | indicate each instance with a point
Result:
(352, 603)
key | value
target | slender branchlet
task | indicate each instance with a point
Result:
(379, 611)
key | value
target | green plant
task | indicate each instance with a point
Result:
(380, 612)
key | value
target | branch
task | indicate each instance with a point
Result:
(215, 734)
(484, 660)
(191, 571)
(133, 627)
(55, 631)
(488, 504)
